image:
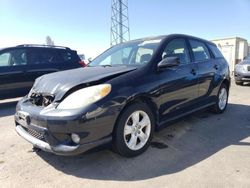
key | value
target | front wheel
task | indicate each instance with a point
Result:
(222, 100)
(134, 130)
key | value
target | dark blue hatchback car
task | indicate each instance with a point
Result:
(21, 65)
(124, 95)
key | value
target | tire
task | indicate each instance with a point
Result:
(239, 83)
(222, 100)
(132, 136)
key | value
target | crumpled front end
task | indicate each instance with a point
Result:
(51, 129)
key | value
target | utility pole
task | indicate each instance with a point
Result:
(119, 31)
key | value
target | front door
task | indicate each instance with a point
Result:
(179, 83)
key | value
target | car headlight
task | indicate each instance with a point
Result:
(84, 97)
(239, 68)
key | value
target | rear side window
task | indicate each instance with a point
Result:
(43, 56)
(200, 50)
(216, 52)
(13, 58)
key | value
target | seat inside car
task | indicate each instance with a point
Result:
(145, 58)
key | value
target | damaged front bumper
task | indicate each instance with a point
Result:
(50, 129)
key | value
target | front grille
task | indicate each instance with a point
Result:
(40, 99)
(35, 133)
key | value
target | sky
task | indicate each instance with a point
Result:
(84, 25)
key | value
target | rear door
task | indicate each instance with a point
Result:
(12, 66)
(207, 68)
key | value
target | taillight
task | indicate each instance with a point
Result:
(82, 63)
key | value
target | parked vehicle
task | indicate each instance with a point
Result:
(242, 71)
(83, 61)
(21, 65)
(124, 95)
(82, 57)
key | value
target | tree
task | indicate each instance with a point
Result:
(49, 41)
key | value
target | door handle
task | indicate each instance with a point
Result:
(216, 67)
(193, 71)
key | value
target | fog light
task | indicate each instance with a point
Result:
(75, 138)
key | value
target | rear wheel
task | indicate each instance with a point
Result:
(134, 130)
(239, 83)
(222, 99)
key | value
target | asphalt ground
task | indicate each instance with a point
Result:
(200, 150)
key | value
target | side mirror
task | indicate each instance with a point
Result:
(168, 62)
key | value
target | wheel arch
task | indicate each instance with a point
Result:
(227, 83)
(139, 99)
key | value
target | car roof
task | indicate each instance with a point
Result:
(165, 37)
(36, 46)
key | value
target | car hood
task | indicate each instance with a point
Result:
(59, 83)
(244, 64)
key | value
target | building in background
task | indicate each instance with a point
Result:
(234, 49)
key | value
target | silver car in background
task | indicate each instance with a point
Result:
(242, 71)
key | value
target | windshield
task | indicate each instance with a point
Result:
(133, 53)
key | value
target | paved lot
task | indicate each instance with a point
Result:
(201, 150)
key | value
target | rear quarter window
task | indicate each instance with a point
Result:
(69, 56)
(216, 52)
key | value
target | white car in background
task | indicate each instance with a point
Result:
(242, 71)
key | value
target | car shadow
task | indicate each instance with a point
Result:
(7, 108)
(175, 148)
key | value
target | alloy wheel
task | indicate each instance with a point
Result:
(222, 98)
(137, 130)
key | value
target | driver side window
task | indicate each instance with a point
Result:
(177, 48)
